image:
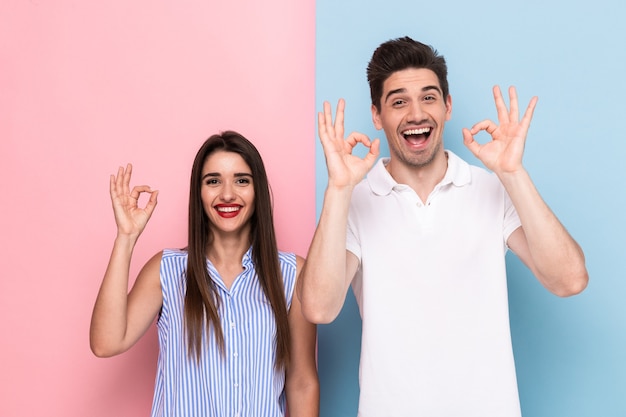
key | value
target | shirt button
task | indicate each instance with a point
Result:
(235, 354)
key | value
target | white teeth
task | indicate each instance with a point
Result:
(417, 131)
(227, 209)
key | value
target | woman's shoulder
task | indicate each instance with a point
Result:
(288, 258)
(174, 258)
(174, 253)
(290, 264)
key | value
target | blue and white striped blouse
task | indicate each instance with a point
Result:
(242, 383)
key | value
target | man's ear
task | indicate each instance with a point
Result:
(448, 107)
(376, 118)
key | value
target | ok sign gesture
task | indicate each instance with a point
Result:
(503, 154)
(129, 217)
(344, 169)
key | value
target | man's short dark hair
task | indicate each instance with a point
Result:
(400, 54)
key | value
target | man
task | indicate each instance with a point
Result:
(426, 240)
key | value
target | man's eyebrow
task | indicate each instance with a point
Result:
(403, 90)
(432, 87)
(396, 91)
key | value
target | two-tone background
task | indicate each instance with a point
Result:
(87, 86)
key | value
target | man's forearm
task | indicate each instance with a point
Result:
(323, 283)
(557, 260)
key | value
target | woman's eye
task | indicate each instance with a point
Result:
(212, 181)
(243, 181)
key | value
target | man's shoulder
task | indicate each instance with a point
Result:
(377, 180)
(472, 173)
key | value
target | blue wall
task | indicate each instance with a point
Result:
(570, 353)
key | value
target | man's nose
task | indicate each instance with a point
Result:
(416, 113)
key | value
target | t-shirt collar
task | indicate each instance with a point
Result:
(382, 183)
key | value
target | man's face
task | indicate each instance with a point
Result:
(412, 114)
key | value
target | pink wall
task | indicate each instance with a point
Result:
(87, 86)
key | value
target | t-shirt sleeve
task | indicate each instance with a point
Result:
(353, 243)
(511, 219)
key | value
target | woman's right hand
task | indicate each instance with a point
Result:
(120, 318)
(131, 219)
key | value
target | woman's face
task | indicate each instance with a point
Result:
(227, 192)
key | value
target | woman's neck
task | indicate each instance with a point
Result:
(226, 254)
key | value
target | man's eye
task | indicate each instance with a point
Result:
(398, 102)
(430, 98)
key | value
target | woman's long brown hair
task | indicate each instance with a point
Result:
(201, 298)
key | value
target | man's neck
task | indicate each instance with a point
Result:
(422, 179)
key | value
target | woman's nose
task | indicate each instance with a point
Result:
(228, 192)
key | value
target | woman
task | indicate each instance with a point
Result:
(232, 339)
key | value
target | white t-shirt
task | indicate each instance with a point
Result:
(432, 294)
